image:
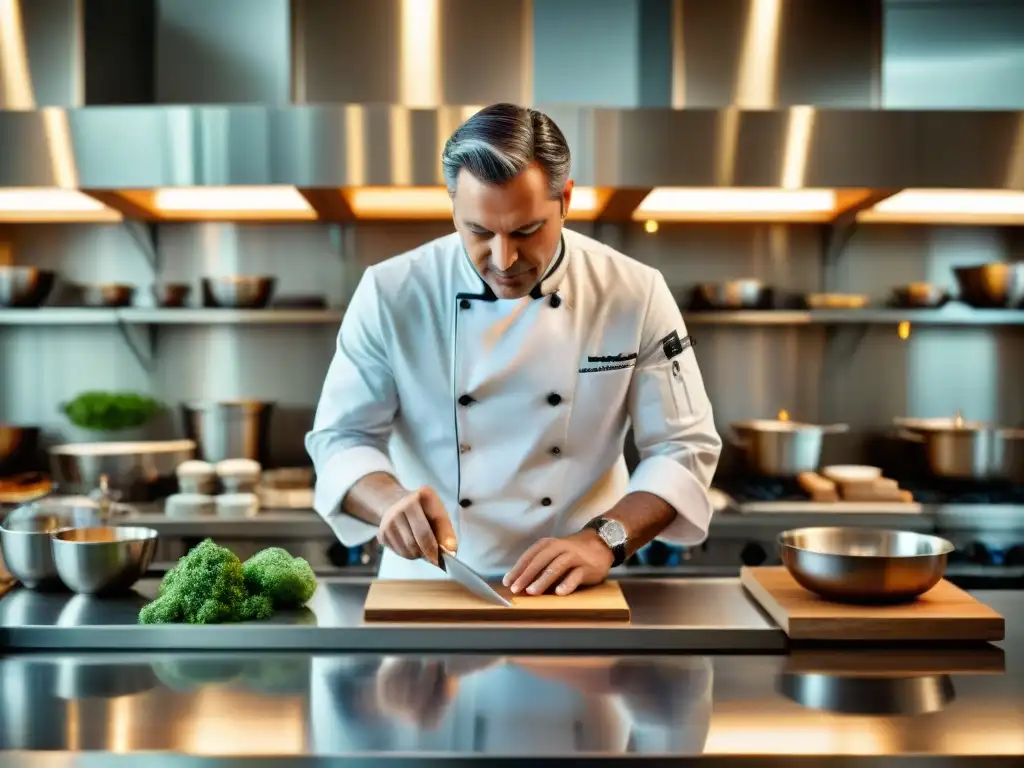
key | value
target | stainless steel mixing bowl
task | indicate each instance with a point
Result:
(864, 565)
(24, 286)
(25, 539)
(103, 558)
(238, 291)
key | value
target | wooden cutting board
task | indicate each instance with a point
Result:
(447, 601)
(944, 613)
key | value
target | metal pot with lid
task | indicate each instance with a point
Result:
(966, 450)
(780, 447)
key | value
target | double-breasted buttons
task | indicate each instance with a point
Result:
(465, 503)
(466, 400)
(555, 450)
(463, 448)
(555, 301)
(464, 304)
(554, 398)
(545, 502)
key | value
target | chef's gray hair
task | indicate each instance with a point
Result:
(500, 141)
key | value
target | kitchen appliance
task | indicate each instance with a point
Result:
(777, 448)
(991, 286)
(919, 296)
(864, 564)
(470, 579)
(961, 449)
(137, 471)
(944, 614)
(170, 295)
(25, 538)
(229, 429)
(238, 291)
(447, 600)
(108, 295)
(101, 559)
(25, 286)
(733, 294)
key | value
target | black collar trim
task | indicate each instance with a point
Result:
(538, 290)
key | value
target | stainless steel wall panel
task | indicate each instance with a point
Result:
(228, 51)
(41, 54)
(953, 54)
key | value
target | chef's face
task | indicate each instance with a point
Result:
(510, 231)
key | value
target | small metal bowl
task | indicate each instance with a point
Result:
(863, 565)
(25, 286)
(238, 291)
(169, 295)
(103, 558)
(25, 539)
(920, 295)
(108, 295)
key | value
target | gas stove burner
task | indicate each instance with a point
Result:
(752, 489)
(947, 491)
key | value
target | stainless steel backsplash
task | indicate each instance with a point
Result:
(750, 371)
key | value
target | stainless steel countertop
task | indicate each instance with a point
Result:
(881, 707)
(668, 615)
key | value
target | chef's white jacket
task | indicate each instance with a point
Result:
(514, 411)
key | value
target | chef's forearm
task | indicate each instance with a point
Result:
(643, 515)
(372, 496)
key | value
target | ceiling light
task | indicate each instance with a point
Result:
(41, 204)
(948, 206)
(435, 203)
(233, 202)
(732, 204)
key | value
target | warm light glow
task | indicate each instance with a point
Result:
(904, 330)
(950, 206)
(783, 415)
(420, 55)
(434, 202)
(232, 201)
(650, 226)
(733, 204)
(50, 204)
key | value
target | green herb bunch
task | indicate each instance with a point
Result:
(110, 411)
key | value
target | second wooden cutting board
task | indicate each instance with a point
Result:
(448, 601)
(943, 614)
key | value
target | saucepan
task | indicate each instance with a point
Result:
(966, 450)
(25, 286)
(777, 448)
(995, 285)
(864, 565)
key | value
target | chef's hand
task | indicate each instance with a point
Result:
(420, 690)
(578, 560)
(413, 526)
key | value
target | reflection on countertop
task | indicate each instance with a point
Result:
(302, 705)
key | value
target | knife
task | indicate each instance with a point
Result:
(469, 578)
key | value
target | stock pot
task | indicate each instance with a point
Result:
(967, 450)
(781, 448)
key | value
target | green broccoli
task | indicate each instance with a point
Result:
(288, 581)
(207, 586)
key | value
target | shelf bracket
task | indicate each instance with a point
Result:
(141, 340)
(145, 236)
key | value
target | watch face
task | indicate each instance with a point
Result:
(613, 533)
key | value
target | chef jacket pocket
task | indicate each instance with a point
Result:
(602, 389)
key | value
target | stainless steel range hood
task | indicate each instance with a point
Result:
(689, 95)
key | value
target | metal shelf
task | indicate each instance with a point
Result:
(185, 316)
(58, 316)
(949, 316)
(188, 316)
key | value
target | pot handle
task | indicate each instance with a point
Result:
(834, 428)
(906, 434)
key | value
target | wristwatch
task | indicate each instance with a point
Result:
(612, 533)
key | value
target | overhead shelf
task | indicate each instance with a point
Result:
(948, 316)
(140, 316)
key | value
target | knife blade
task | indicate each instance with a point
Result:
(469, 578)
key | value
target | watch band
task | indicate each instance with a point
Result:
(600, 525)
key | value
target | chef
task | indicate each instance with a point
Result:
(483, 385)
